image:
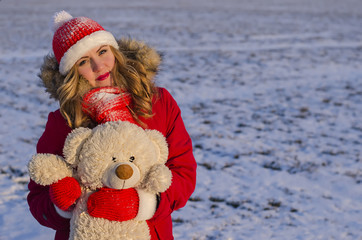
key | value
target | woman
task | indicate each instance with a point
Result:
(87, 57)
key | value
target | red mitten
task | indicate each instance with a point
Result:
(65, 192)
(107, 104)
(114, 204)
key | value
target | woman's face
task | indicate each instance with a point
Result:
(95, 66)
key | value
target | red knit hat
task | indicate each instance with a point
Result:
(73, 37)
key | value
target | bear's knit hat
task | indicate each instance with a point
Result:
(73, 37)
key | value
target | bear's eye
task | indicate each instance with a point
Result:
(131, 159)
(114, 159)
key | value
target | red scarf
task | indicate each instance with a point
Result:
(114, 204)
(107, 104)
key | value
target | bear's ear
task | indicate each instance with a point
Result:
(74, 143)
(160, 141)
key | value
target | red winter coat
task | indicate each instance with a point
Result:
(167, 119)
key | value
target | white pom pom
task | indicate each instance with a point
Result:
(60, 18)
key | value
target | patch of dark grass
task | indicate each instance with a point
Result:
(272, 166)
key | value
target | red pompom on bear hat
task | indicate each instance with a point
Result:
(73, 37)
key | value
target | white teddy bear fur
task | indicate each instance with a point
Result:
(95, 154)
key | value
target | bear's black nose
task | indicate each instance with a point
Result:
(124, 171)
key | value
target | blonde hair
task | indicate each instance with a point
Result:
(127, 74)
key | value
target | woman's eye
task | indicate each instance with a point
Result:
(103, 51)
(131, 159)
(81, 63)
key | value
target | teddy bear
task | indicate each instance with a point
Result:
(116, 157)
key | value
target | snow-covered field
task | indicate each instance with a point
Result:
(271, 93)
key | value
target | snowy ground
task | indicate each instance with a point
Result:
(271, 93)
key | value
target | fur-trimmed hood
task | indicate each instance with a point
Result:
(52, 79)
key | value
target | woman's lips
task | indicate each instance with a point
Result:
(103, 77)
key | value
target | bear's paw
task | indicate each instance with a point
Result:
(158, 179)
(45, 169)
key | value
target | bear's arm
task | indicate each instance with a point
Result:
(41, 207)
(46, 169)
(181, 161)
